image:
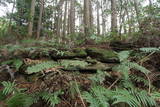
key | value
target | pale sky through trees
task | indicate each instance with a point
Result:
(6, 9)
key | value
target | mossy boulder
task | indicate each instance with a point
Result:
(73, 65)
(106, 56)
(81, 65)
(75, 53)
(96, 66)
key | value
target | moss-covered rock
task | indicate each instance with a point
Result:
(75, 53)
(73, 65)
(107, 56)
(80, 52)
(81, 65)
(96, 66)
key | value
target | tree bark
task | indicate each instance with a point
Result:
(98, 20)
(40, 18)
(31, 19)
(113, 16)
(65, 19)
(87, 17)
(72, 16)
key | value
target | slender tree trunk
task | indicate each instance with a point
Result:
(65, 19)
(98, 20)
(68, 23)
(103, 17)
(10, 19)
(59, 17)
(31, 20)
(137, 10)
(87, 17)
(91, 14)
(40, 18)
(72, 16)
(113, 16)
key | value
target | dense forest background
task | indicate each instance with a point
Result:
(80, 53)
(79, 20)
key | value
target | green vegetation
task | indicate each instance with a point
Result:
(79, 53)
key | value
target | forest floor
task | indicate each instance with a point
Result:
(44, 68)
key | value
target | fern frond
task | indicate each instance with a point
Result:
(139, 79)
(20, 99)
(123, 55)
(91, 99)
(17, 63)
(143, 98)
(148, 50)
(8, 87)
(155, 95)
(99, 77)
(123, 96)
(98, 97)
(51, 98)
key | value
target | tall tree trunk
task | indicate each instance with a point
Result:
(113, 16)
(98, 20)
(72, 16)
(137, 10)
(65, 19)
(128, 17)
(91, 14)
(87, 17)
(10, 19)
(59, 17)
(68, 23)
(103, 17)
(31, 19)
(40, 18)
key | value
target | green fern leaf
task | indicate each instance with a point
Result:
(20, 99)
(51, 98)
(8, 87)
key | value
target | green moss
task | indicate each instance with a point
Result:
(76, 53)
(73, 64)
(80, 52)
(102, 54)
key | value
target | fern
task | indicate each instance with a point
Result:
(148, 50)
(40, 67)
(8, 87)
(16, 63)
(51, 98)
(143, 98)
(102, 97)
(155, 95)
(139, 79)
(20, 99)
(97, 97)
(123, 55)
(123, 96)
(74, 88)
(99, 77)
